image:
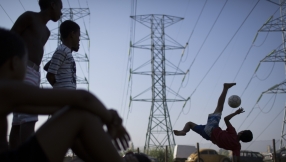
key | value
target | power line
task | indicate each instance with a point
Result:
(187, 45)
(254, 74)
(69, 3)
(228, 43)
(79, 3)
(22, 5)
(183, 49)
(6, 13)
(267, 75)
(250, 50)
(124, 98)
(265, 128)
(263, 109)
(198, 53)
(198, 20)
(130, 56)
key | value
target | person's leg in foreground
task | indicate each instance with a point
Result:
(64, 128)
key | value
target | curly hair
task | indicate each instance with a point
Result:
(246, 136)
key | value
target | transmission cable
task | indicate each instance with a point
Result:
(198, 53)
(131, 56)
(228, 43)
(69, 3)
(262, 111)
(249, 51)
(254, 75)
(22, 5)
(265, 128)
(7, 14)
(187, 45)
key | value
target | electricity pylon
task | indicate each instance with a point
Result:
(278, 55)
(73, 14)
(159, 119)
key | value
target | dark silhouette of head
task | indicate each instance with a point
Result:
(11, 45)
(245, 136)
(54, 7)
(13, 55)
(71, 30)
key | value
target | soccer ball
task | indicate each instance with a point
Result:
(234, 101)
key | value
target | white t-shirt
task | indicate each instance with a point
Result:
(64, 68)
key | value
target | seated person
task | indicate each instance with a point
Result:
(78, 126)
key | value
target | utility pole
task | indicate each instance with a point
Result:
(74, 14)
(159, 120)
(278, 55)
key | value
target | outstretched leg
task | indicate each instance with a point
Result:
(222, 97)
(64, 128)
(188, 126)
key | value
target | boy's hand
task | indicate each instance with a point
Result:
(120, 136)
(115, 118)
(117, 132)
(239, 111)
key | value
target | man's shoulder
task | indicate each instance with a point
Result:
(229, 126)
(29, 14)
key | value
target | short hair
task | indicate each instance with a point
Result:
(11, 44)
(246, 136)
(67, 27)
(45, 4)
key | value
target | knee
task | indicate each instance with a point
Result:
(83, 115)
(191, 124)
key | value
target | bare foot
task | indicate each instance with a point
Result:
(179, 133)
(228, 85)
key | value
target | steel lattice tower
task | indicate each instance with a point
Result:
(159, 119)
(278, 55)
(73, 14)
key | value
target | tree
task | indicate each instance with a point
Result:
(159, 154)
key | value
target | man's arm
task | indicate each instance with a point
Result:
(40, 110)
(227, 118)
(22, 23)
(51, 78)
(53, 66)
(17, 94)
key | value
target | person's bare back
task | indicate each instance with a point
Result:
(35, 35)
(31, 26)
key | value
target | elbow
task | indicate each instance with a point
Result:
(226, 119)
(85, 98)
(51, 78)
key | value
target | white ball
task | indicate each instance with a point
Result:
(234, 101)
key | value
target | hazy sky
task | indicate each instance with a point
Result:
(216, 53)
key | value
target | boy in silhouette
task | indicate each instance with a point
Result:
(61, 70)
(82, 121)
(32, 27)
(227, 139)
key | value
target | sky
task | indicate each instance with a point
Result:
(221, 49)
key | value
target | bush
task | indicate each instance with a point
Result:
(159, 154)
